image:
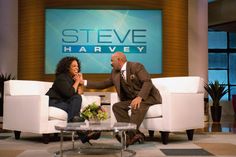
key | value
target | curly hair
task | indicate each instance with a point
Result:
(63, 65)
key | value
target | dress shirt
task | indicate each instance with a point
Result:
(123, 68)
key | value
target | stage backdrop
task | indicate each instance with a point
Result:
(31, 42)
(93, 35)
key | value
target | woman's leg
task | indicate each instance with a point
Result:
(58, 103)
(74, 106)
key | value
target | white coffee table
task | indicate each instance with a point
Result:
(119, 128)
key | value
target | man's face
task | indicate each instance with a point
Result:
(115, 63)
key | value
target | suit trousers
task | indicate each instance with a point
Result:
(121, 111)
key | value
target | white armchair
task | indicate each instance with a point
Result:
(182, 107)
(26, 108)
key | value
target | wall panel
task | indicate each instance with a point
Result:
(31, 33)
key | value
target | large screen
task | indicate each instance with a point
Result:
(93, 35)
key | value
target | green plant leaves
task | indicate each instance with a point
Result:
(5, 77)
(94, 111)
(216, 91)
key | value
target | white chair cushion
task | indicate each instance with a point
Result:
(56, 113)
(154, 111)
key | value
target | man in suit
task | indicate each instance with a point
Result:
(135, 90)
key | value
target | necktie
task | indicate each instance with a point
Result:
(123, 74)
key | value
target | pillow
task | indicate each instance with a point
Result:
(57, 113)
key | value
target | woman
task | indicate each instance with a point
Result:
(65, 92)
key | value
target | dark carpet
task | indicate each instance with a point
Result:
(186, 152)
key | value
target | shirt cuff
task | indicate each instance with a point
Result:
(85, 82)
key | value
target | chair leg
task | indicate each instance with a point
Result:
(151, 133)
(17, 135)
(46, 138)
(164, 137)
(190, 134)
(56, 137)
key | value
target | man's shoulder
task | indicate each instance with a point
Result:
(135, 64)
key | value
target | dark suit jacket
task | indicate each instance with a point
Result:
(136, 76)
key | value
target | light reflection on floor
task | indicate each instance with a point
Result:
(226, 125)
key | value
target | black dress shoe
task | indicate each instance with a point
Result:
(86, 136)
(139, 132)
(118, 138)
(128, 139)
(77, 119)
(136, 138)
(83, 137)
(94, 135)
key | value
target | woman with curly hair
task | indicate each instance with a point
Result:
(66, 91)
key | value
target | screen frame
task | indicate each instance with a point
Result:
(103, 75)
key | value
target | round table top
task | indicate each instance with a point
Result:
(101, 126)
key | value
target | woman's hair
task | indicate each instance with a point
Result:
(63, 65)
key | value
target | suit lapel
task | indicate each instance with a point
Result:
(128, 73)
(117, 82)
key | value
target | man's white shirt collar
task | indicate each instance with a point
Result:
(124, 67)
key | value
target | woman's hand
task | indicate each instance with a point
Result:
(77, 79)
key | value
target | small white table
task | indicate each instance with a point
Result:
(119, 128)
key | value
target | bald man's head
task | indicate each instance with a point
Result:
(117, 60)
(120, 55)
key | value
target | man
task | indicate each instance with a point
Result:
(135, 90)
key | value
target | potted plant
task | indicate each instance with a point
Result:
(3, 77)
(216, 91)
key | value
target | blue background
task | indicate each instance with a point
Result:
(120, 20)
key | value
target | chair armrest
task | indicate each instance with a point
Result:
(182, 107)
(26, 113)
(113, 99)
(176, 109)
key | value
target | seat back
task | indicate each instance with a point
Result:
(185, 84)
(26, 87)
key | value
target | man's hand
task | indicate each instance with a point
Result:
(81, 79)
(136, 102)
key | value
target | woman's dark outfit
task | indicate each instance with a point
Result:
(63, 95)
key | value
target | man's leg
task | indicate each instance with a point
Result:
(120, 111)
(137, 115)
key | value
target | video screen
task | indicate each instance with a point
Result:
(93, 35)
